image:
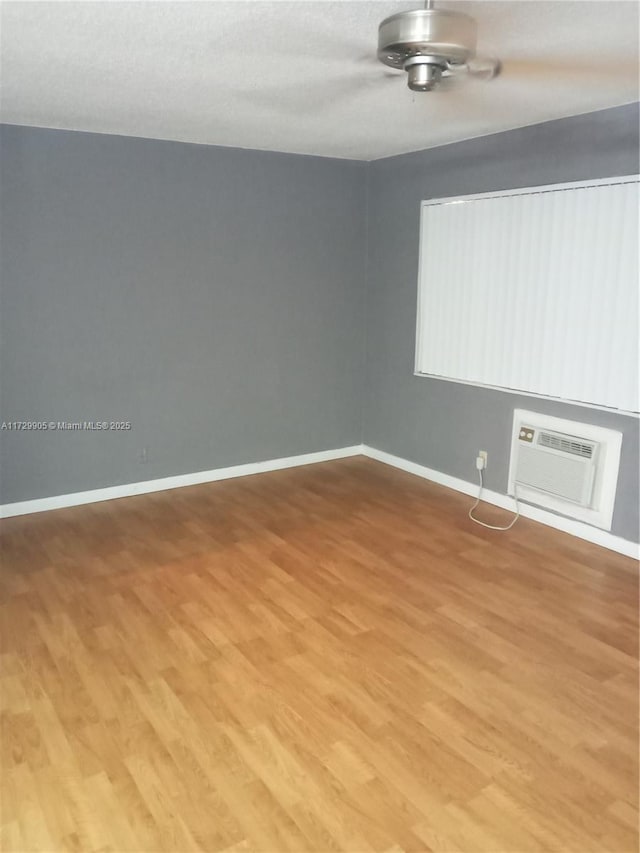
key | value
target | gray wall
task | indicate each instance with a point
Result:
(214, 297)
(211, 296)
(442, 424)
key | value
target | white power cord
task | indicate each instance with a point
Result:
(483, 523)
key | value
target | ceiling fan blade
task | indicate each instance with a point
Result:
(317, 95)
(478, 69)
(484, 68)
(568, 70)
(299, 34)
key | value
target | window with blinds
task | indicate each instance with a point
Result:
(534, 290)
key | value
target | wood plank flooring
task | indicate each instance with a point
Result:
(326, 658)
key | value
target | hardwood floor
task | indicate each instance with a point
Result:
(326, 658)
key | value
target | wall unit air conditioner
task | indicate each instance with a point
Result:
(565, 466)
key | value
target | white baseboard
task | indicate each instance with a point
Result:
(567, 525)
(575, 528)
(160, 485)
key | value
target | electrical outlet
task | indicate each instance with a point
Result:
(481, 460)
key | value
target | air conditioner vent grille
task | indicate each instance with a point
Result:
(568, 467)
(566, 443)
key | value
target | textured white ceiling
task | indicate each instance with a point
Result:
(301, 76)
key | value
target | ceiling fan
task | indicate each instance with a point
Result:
(434, 47)
(431, 45)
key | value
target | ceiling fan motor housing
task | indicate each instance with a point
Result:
(425, 43)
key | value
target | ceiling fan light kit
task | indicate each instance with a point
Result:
(430, 44)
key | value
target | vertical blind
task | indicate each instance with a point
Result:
(534, 290)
